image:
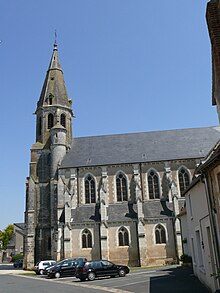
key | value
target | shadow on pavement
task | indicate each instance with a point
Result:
(178, 280)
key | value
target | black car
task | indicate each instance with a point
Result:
(18, 263)
(99, 268)
(65, 268)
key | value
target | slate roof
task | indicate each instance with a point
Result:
(141, 147)
(157, 208)
(122, 212)
(54, 84)
(86, 214)
(22, 226)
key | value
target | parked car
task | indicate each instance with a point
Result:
(99, 268)
(18, 263)
(42, 265)
(65, 268)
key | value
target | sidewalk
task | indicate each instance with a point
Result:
(181, 280)
(8, 269)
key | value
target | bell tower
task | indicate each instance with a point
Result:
(53, 140)
(54, 106)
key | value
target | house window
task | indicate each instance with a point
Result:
(90, 190)
(121, 187)
(190, 206)
(50, 121)
(153, 185)
(199, 248)
(63, 120)
(183, 180)
(160, 234)
(123, 237)
(86, 239)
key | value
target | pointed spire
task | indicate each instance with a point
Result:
(54, 84)
(55, 62)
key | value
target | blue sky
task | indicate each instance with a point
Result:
(129, 66)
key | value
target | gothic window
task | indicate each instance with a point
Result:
(86, 239)
(63, 120)
(50, 99)
(160, 234)
(183, 180)
(121, 187)
(50, 121)
(123, 237)
(153, 185)
(90, 194)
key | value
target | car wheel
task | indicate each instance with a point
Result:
(41, 272)
(121, 273)
(91, 276)
(57, 275)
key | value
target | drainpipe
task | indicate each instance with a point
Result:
(136, 222)
(77, 174)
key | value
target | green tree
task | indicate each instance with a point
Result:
(6, 235)
(1, 239)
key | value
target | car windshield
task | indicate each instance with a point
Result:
(60, 262)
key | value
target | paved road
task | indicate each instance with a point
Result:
(167, 280)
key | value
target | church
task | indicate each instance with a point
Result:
(112, 197)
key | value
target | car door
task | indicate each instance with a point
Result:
(97, 267)
(109, 268)
(65, 268)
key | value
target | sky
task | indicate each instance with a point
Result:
(129, 66)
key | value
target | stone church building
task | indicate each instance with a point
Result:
(113, 197)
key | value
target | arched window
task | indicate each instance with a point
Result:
(153, 185)
(123, 237)
(63, 120)
(121, 187)
(183, 180)
(160, 234)
(86, 239)
(50, 99)
(50, 121)
(90, 194)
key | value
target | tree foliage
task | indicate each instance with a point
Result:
(6, 235)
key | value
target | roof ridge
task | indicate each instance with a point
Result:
(151, 131)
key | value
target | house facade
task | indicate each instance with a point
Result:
(200, 234)
(203, 195)
(16, 244)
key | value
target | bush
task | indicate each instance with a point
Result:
(216, 275)
(185, 258)
(17, 256)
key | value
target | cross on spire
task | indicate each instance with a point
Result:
(55, 40)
